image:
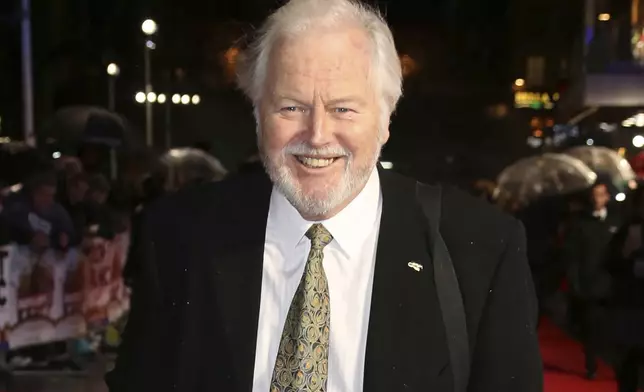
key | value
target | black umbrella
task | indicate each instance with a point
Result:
(77, 125)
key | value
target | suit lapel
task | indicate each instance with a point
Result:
(406, 347)
(236, 273)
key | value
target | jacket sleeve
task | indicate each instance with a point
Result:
(138, 362)
(506, 357)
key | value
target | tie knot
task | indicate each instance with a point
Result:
(319, 236)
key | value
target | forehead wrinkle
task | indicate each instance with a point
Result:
(319, 49)
(308, 67)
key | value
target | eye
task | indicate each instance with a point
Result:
(342, 110)
(292, 109)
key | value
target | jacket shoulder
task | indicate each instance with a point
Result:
(198, 201)
(466, 219)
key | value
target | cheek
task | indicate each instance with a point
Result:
(362, 145)
(278, 133)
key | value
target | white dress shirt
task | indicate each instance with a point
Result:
(601, 214)
(349, 262)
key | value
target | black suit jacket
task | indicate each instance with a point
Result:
(195, 307)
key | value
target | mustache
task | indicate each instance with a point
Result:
(327, 151)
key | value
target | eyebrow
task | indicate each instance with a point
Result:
(348, 99)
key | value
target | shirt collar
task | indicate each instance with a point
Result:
(349, 228)
(601, 214)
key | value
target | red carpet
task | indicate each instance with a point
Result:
(563, 361)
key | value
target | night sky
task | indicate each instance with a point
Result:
(461, 47)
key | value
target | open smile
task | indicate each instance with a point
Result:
(316, 162)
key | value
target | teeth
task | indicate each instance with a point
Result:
(315, 162)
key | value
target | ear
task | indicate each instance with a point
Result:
(383, 134)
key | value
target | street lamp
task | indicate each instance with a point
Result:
(196, 99)
(113, 71)
(149, 27)
(140, 97)
(638, 141)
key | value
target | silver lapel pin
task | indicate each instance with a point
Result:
(415, 266)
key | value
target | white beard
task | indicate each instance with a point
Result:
(318, 203)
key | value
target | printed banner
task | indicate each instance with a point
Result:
(54, 295)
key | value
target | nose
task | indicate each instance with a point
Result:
(320, 133)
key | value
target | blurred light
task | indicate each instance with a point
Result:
(590, 142)
(603, 17)
(140, 97)
(639, 120)
(5, 140)
(629, 122)
(555, 96)
(152, 97)
(161, 98)
(150, 44)
(185, 99)
(621, 151)
(196, 99)
(176, 98)
(620, 197)
(149, 27)
(534, 142)
(550, 122)
(231, 55)
(408, 65)
(387, 165)
(638, 141)
(498, 110)
(56, 155)
(519, 82)
(538, 133)
(632, 184)
(113, 69)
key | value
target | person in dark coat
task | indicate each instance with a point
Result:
(585, 252)
(626, 318)
(318, 274)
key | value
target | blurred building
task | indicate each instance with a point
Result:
(546, 59)
(606, 93)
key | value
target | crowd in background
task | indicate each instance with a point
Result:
(61, 202)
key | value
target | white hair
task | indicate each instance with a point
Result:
(298, 16)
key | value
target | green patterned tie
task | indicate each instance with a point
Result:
(302, 358)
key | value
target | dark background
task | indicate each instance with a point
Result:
(455, 122)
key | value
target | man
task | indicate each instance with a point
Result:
(585, 253)
(320, 278)
(39, 220)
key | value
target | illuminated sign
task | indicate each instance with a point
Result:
(533, 100)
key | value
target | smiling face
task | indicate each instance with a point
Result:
(320, 131)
